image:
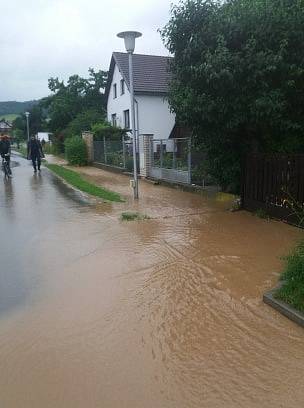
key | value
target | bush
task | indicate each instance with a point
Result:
(292, 291)
(50, 149)
(58, 143)
(76, 151)
(108, 131)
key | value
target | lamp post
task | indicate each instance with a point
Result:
(27, 114)
(129, 38)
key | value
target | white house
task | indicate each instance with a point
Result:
(44, 136)
(151, 80)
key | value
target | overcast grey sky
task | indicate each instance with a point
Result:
(44, 38)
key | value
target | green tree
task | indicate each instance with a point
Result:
(238, 78)
(84, 121)
(18, 137)
(75, 97)
(37, 121)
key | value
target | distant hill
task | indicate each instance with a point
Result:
(13, 107)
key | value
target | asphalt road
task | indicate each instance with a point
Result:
(30, 204)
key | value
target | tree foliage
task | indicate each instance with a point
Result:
(84, 121)
(238, 78)
(37, 121)
(75, 97)
(106, 130)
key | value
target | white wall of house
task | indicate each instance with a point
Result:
(121, 103)
(154, 116)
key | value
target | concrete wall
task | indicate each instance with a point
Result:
(89, 140)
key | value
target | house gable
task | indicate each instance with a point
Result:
(5, 126)
(151, 73)
(152, 111)
(119, 104)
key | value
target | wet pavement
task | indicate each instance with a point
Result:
(163, 313)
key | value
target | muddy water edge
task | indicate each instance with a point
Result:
(163, 313)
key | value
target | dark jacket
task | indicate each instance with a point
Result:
(5, 147)
(34, 150)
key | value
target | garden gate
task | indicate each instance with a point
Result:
(171, 160)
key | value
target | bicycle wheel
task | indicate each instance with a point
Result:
(5, 170)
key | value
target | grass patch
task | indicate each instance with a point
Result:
(9, 116)
(225, 197)
(292, 291)
(133, 216)
(261, 213)
(75, 179)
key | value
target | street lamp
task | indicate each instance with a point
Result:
(129, 38)
(27, 114)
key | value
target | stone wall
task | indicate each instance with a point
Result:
(147, 159)
(89, 140)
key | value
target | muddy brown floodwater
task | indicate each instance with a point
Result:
(164, 313)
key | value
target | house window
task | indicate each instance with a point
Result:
(114, 119)
(122, 86)
(114, 91)
(127, 119)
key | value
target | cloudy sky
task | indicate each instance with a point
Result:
(44, 38)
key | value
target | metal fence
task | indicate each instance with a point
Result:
(115, 153)
(171, 160)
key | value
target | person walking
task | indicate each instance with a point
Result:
(35, 153)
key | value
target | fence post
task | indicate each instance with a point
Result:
(123, 151)
(147, 155)
(105, 149)
(161, 158)
(189, 160)
(89, 141)
(244, 160)
(174, 154)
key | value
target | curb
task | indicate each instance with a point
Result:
(282, 307)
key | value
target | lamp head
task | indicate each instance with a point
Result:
(27, 114)
(129, 38)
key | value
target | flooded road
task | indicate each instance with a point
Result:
(164, 313)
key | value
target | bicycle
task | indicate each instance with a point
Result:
(5, 168)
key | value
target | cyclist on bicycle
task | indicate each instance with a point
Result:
(5, 149)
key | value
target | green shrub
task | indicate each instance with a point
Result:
(76, 151)
(129, 163)
(108, 131)
(50, 149)
(115, 159)
(261, 213)
(84, 121)
(292, 291)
